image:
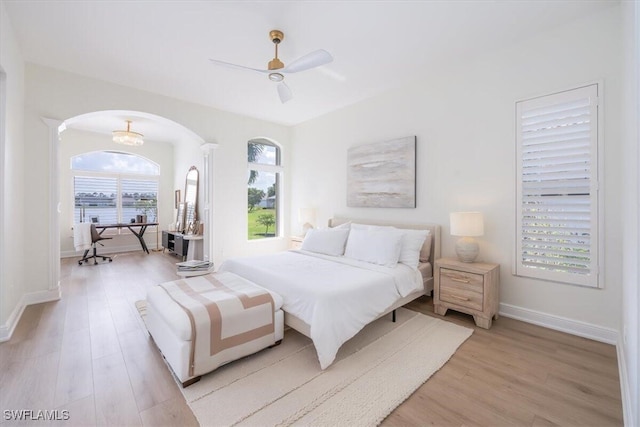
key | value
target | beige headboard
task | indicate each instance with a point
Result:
(434, 229)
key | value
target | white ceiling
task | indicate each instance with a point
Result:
(164, 46)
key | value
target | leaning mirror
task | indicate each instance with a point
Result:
(191, 201)
(180, 218)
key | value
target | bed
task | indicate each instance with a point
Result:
(329, 297)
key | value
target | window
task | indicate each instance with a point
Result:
(111, 187)
(557, 194)
(263, 189)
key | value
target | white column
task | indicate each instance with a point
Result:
(208, 151)
(54, 202)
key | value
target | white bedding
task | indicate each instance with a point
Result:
(336, 296)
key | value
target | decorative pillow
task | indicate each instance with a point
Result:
(371, 227)
(343, 226)
(426, 253)
(328, 241)
(412, 241)
(375, 246)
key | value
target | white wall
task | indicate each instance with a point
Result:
(630, 334)
(12, 222)
(464, 118)
(74, 142)
(60, 95)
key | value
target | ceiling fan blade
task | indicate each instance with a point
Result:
(240, 67)
(284, 92)
(311, 60)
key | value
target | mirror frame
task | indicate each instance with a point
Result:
(189, 224)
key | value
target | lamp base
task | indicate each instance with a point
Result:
(467, 249)
(305, 228)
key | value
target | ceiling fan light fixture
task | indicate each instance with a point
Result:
(276, 68)
(276, 77)
(275, 64)
(127, 137)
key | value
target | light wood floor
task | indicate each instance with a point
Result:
(90, 354)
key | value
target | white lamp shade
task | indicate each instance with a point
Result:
(466, 224)
(307, 216)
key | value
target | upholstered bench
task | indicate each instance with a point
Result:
(203, 322)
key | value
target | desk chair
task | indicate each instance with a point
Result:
(95, 240)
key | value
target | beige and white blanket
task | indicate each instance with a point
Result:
(225, 312)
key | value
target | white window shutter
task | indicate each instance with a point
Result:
(95, 198)
(557, 190)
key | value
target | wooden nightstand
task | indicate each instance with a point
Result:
(295, 242)
(472, 288)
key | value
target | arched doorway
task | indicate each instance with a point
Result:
(101, 122)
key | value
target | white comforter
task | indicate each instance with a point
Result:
(336, 296)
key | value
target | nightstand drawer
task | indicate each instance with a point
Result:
(295, 242)
(462, 288)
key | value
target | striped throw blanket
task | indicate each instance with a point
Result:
(226, 312)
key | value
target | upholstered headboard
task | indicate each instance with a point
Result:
(433, 251)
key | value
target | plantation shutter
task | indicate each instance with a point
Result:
(95, 199)
(557, 194)
(139, 197)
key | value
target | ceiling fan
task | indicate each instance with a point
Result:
(276, 68)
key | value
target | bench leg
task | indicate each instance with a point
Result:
(193, 380)
(275, 344)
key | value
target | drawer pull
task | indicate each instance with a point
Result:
(458, 279)
(460, 298)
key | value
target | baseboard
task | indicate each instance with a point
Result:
(6, 330)
(109, 250)
(625, 391)
(574, 327)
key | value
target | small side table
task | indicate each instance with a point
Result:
(295, 242)
(194, 250)
(468, 287)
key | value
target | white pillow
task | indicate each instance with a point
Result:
(412, 241)
(328, 241)
(426, 253)
(371, 227)
(375, 246)
(343, 226)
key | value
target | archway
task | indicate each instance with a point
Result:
(180, 136)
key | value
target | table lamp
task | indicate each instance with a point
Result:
(307, 217)
(467, 225)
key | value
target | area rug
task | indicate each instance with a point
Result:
(374, 373)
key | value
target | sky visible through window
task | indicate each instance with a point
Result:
(267, 156)
(114, 162)
(264, 179)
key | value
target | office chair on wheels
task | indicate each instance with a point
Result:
(95, 240)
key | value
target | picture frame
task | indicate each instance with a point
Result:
(182, 208)
(177, 198)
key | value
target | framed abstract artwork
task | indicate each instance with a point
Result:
(383, 174)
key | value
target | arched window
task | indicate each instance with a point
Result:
(111, 187)
(264, 179)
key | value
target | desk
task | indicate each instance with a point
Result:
(141, 225)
